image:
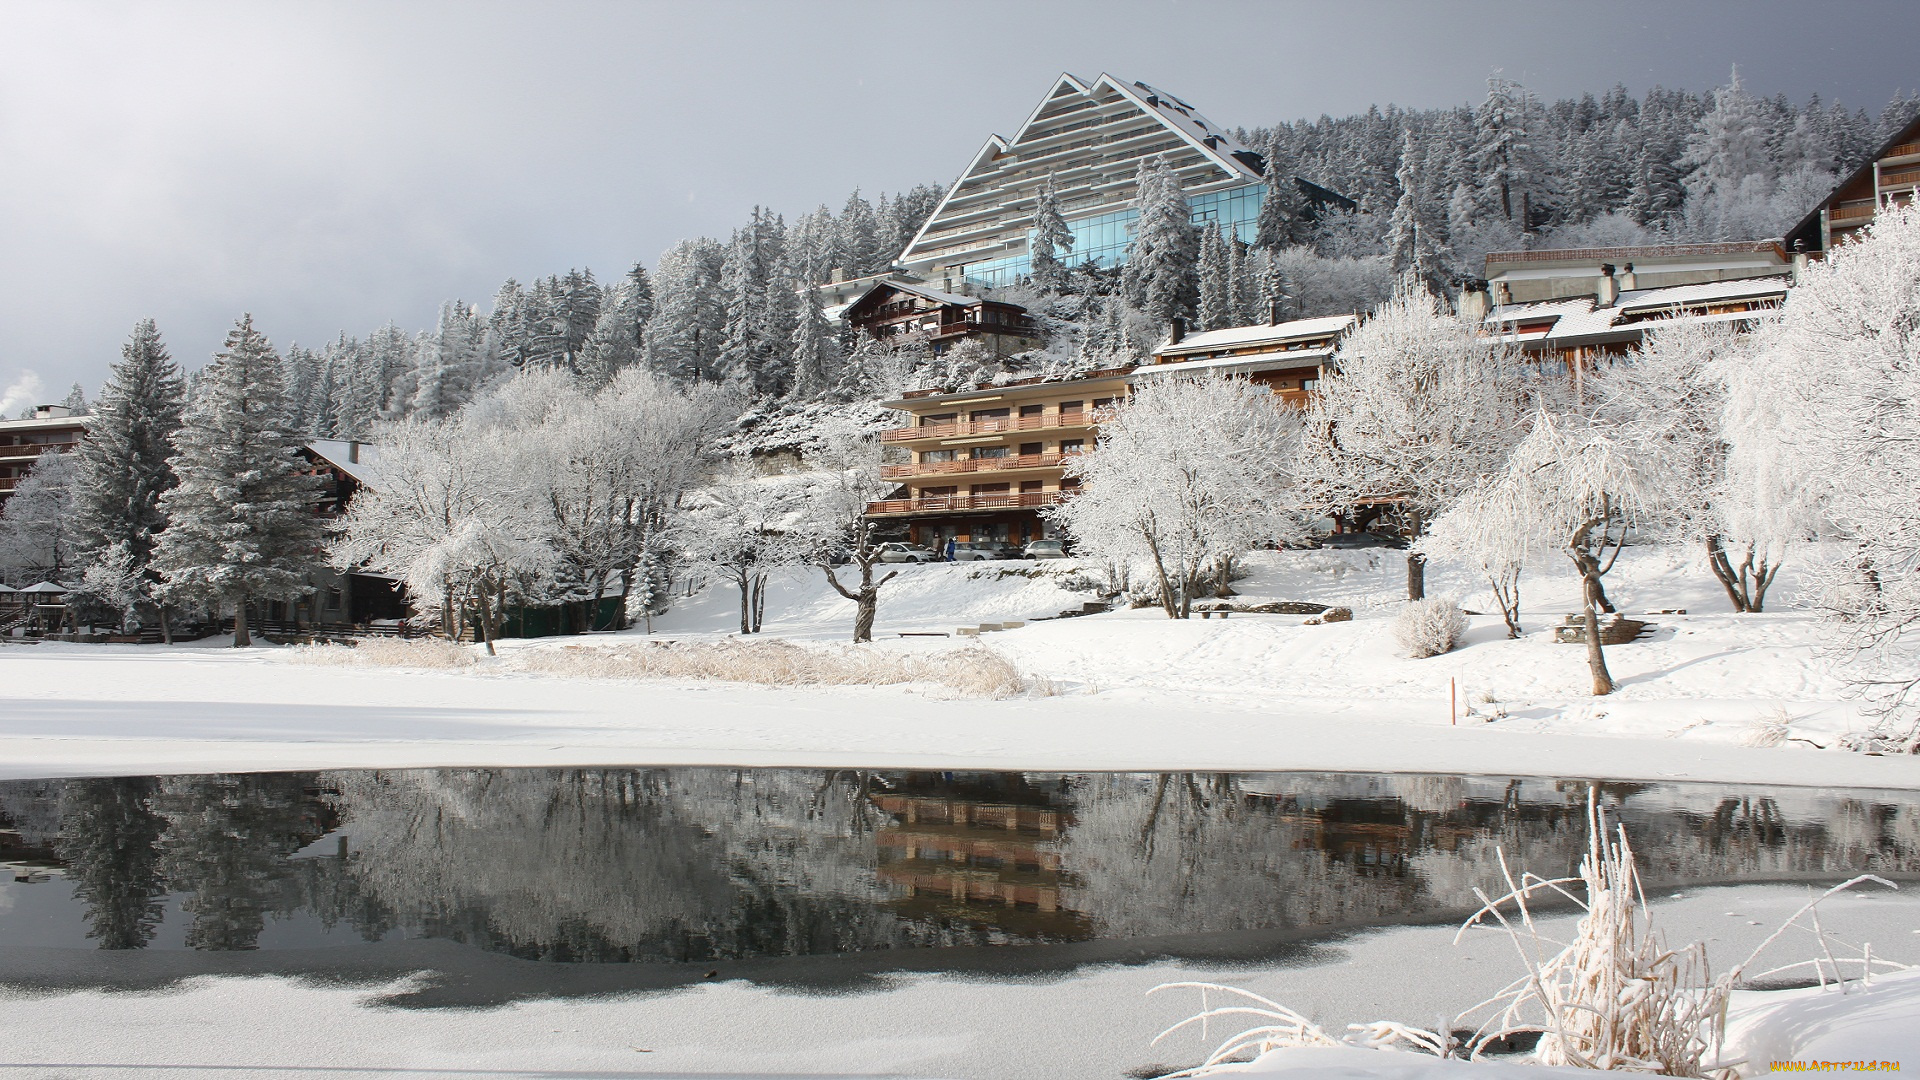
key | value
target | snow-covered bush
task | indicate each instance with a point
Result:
(1429, 627)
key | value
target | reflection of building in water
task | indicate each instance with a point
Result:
(979, 849)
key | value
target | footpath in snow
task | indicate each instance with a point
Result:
(1706, 696)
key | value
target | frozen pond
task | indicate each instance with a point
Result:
(516, 883)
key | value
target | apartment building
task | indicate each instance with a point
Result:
(1089, 138)
(902, 311)
(53, 429)
(1285, 357)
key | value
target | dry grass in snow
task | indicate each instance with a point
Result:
(975, 670)
(388, 652)
(972, 671)
(1614, 997)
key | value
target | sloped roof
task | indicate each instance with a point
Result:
(1807, 232)
(1737, 289)
(1215, 144)
(1260, 333)
(336, 452)
(936, 295)
(45, 588)
(1228, 365)
(1578, 319)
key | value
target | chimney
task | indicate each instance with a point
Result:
(1473, 301)
(1179, 331)
(51, 412)
(1273, 312)
(1628, 279)
(1608, 290)
(1799, 262)
(353, 451)
(1501, 294)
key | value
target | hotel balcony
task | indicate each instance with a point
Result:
(974, 465)
(950, 504)
(26, 452)
(953, 429)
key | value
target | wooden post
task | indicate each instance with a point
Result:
(1453, 704)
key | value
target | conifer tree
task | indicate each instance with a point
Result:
(1283, 218)
(1216, 284)
(110, 843)
(124, 467)
(684, 336)
(1161, 276)
(1052, 242)
(1415, 241)
(859, 239)
(240, 522)
(816, 351)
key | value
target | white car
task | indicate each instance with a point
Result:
(1044, 549)
(897, 552)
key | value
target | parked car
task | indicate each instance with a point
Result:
(981, 550)
(898, 552)
(1044, 549)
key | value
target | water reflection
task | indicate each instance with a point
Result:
(699, 865)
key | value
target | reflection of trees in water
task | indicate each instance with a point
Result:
(226, 846)
(109, 840)
(694, 864)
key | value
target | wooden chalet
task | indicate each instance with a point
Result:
(1285, 357)
(894, 310)
(1891, 178)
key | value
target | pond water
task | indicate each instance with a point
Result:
(521, 882)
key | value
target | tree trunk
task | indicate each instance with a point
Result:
(166, 626)
(1416, 576)
(863, 618)
(759, 601)
(241, 639)
(1506, 592)
(745, 581)
(1167, 601)
(1596, 659)
(1724, 572)
(486, 621)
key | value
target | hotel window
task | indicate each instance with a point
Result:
(980, 452)
(941, 418)
(1070, 410)
(1073, 446)
(1027, 448)
(1029, 485)
(936, 455)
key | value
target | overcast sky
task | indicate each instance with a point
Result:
(331, 166)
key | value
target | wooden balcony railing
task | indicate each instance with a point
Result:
(973, 465)
(1903, 150)
(33, 450)
(948, 429)
(1013, 500)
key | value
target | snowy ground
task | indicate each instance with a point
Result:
(1132, 690)
(1094, 1023)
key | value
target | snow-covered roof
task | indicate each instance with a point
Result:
(339, 452)
(8, 588)
(936, 295)
(1574, 320)
(1227, 365)
(1259, 334)
(45, 587)
(40, 423)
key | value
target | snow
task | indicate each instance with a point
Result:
(1260, 333)
(1096, 1021)
(1133, 690)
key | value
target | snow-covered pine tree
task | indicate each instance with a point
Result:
(1283, 218)
(76, 400)
(124, 460)
(300, 369)
(761, 306)
(241, 525)
(1216, 281)
(1730, 143)
(1416, 239)
(1162, 272)
(859, 244)
(684, 336)
(1243, 281)
(616, 341)
(1052, 242)
(816, 359)
(1511, 170)
(448, 362)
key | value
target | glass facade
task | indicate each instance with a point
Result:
(1104, 238)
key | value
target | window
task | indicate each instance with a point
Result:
(935, 455)
(943, 418)
(981, 452)
(1029, 485)
(333, 598)
(989, 414)
(1071, 410)
(992, 489)
(1073, 446)
(1032, 410)
(1027, 448)
(1070, 483)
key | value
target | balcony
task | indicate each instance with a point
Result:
(951, 429)
(25, 451)
(948, 504)
(974, 465)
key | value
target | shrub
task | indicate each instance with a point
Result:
(1429, 627)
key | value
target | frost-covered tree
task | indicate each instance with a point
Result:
(1216, 280)
(1052, 246)
(617, 339)
(1842, 366)
(1416, 239)
(762, 307)
(241, 525)
(1509, 170)
(1284, 215)
(450, 362)
(684, 337)
(833, 514)
(742, 527)
(1161, 277)
(1575, 485)
(39, 540)
(816, 359)
(447, 520)
(1415, 408)
(1730, 143)
(1187, 475)
(123, 461)
(76, 400)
